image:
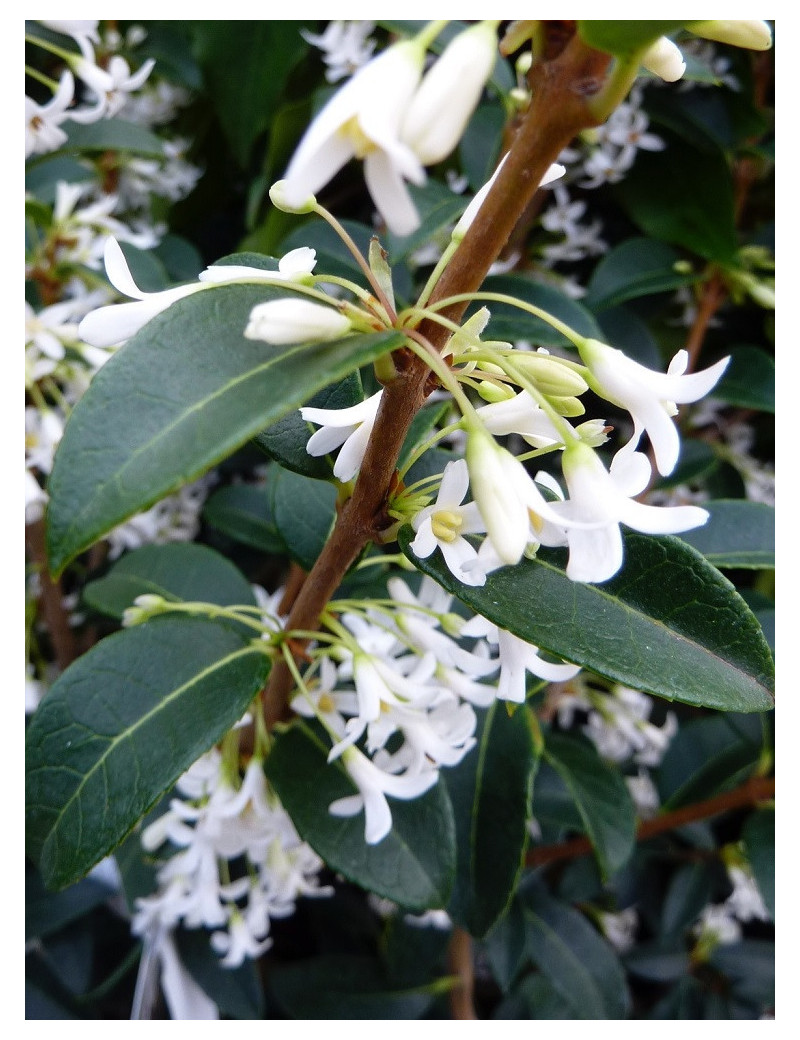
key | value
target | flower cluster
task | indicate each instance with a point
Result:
(403, 678)
(237, 862)
(396, 117)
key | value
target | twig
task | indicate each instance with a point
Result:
(753, 791)
(459, 959)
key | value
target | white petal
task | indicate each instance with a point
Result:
(349, 459)
(390, 195)
(594, 555)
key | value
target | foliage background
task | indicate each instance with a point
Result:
(243, 132)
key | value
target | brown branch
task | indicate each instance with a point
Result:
(558, 111)
(51, 599)
(459, 961)
(755, 790)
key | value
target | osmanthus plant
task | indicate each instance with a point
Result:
(460, 485)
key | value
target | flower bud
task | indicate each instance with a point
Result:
(284, 199)
(448, 94)
(281, 322)
(664, 59)
(753, 35)
(550, 376)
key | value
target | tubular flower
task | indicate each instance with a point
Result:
(604, 498)
(507, 497)
(664, 59)
(280, 322)
(649, 396)
(753, 35)
(43, 131)
(449, 92)
(119, 321)
(445, 523)
(348, 427)
(373, 786)
(362, 120)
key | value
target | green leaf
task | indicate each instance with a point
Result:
(244, 102)
(304, 512)
(48, 912)
(660, 960)
(600, 795)
(406, 867)
(706, 756)
(286, 440)
(750, 969)
(669, 623)
(624, 38)
(577, 961)
(758, 836)
(237, 992)
(683, 195)
(118, 728)
(535, 998)
(179, 571)
(636, 267)
(738, 534)
(111, 135)
(490, 791)
(512, 324)
(690, 889)
(344, 986)
(201, 390)
(244, 512)
(749, 380)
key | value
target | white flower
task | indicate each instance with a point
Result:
(445, 523)
(441, 107)
(745, 902)
(280, 322)
(349, 427)
(753, 35)
(117, 322)
(664, 59)
(373, 786)
(604, 498)
(649, 396)
(506, 496)
(112, 84)
(186, 1000)
(521, 415)
(345, 46)
(43, 131)
(238, 942)
(362, 120)
(516, 658)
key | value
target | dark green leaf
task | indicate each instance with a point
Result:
(237, 992)
(636, 267)
(286, 440)
(406, 867)
(690, 889)
(601, 796)
(697, 460)
(758, 836)
(505, 946)
(706, 756)
(739, 534)
(304, 511)
(750, 967)
(244, 512)
(661, 960)
(669, 623)
(749, 380)
(624, 38)
(178, 571)
(344, 987)
(412, 952)
(581, 966)
(490, 791)
(512, 324)
(118, 728)
(684, 195)
(244, 102)
(535, 998)
(111, 135)
(48, 912)
(201, 390)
